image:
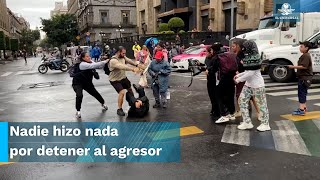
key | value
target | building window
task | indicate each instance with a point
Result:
(143, 16)
(104, 17)
(125, 17)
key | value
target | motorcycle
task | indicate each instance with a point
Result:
(47, 64)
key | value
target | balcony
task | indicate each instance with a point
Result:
(175, 11)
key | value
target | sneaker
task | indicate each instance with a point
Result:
(237, 114)
(299, 112)
(78, 114)
(164, 105)
(232, 117)
(104, 107)
(223, 119)
(245, 126)
(263, 128)
(120, 112)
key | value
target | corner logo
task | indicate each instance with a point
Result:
(286, 9)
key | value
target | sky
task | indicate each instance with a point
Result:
(33, 10)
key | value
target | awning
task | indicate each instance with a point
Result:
(175, 11)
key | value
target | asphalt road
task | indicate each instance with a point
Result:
(290, 151)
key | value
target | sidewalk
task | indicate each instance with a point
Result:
(6, 61)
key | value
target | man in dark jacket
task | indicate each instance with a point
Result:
(139, 107)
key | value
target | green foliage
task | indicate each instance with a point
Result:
(61, 29)
(44, 43)
(176, 24)
(167, 32)
(163, 27)
(2, 41)
(8, 45)
(14, 44)
(182, 32)
(28, 37)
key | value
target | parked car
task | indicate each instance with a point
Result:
(198, 53)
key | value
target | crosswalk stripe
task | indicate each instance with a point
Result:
(232, 135)
(6, 74)
(287, 138)
(317, 104)
(289, 87)
(284, 93)
(317, 123)
(314, 97)
(20, 72)
(279, 84)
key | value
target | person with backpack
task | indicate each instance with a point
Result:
(160, 70)
(225, 85)
(83, 74)
(254, 87)
(117, 66)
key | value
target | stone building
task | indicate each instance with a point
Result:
(73, 6)
(59, 9)
(100, 20)
(202, 13)
(4, 18)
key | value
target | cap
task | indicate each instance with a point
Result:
(307, 44)
(158, 55)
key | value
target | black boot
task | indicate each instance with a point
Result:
(157, 105)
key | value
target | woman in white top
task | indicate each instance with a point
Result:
(254, 87)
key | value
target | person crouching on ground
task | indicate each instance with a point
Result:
(254, 87)
(160, 70)
(84, 73)
(305, 74)
(139, 107)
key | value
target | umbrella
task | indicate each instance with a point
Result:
(149, 40)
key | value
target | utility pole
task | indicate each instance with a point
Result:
(232, 18)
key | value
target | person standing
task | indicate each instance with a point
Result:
(24, 54)
(84, 73)
(144, 59)
(178, 40)
(96, 53)
(305, 75)
(79, 51)
(254, 87)
(212, 65)
(160, 70)
(117, 77)
(136, 49)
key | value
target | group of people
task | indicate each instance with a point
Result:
(117, 65)
(236, 74)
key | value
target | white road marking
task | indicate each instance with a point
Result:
(314, 97)
(285, 93)
(288, 139)
(232, 135)
(280, 84)
(20, 72)
(6, 74)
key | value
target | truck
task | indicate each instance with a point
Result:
(273, 36)
(277, 58)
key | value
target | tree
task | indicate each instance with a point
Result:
(28, 37)
(61, 29)
(163, 27)
(176, 24)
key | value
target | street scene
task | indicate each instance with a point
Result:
(243, 85)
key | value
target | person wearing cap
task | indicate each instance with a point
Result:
(118, 79)
(304, 74)
(160, 70)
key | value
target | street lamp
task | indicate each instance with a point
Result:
(120, 30)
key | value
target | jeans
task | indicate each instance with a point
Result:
(157, 95)
(55, 63)
(78, 89)
(302, 92)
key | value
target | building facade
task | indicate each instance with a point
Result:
(102, 20)
(16, 25)
(200, 14)
(73, 6)
(59, 9)
(4, 18)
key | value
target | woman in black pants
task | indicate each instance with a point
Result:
(82, 80)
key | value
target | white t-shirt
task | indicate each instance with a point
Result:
(253, 78)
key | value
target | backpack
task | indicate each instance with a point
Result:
(228, 63)
(74, 70)
(106, 68)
